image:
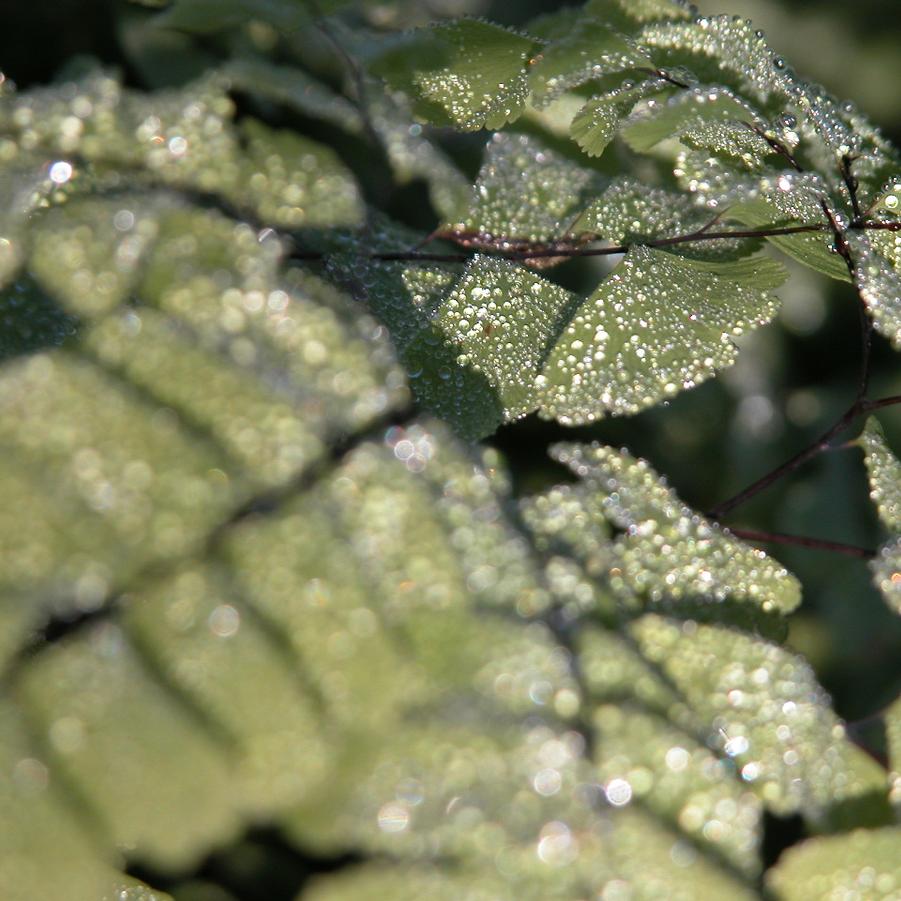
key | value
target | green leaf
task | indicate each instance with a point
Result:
(598, 122)
(503, 320)
(792, 199)
(878, 280)
(411, 154)
(667, 551)
(291, 87)
(659, 324)
(884, 471)
(732, 143)
(638, 11)
(864, 863)
(686, 110)
(886, 569)
(185, 139)
(630, 212)
(30, 320)
(721, 50)
(525, 193)
(892, 719)
(468, 73)
(472, 347)
(762, 707)
(587, 51)
(27, 184)
(244, 586)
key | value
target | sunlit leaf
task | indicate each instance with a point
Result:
(468, 73)
(629, 211)
(598, 122)
(525, 193)
(668, 552)
(779, 209)
(685, 110)
(879, 282)
(761, 705)
(863, 864)
(587, 51)
(884, 470)
(659, 324)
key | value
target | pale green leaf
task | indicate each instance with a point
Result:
(862, 864)
(884, 470)
(878, 279)
(629, 211)
(668, 552)
(108, 727)
(676, 778)
(132, 890)
(184, 138)
(242, 585)
(31, 799)
(27, 184)
(525, 192)
(598, 122)
(792, 199)
(733, 143)
(888, 198)
(892, 720)
(686, 110)
(468, 73)
(659, 324)
(720, 50)
(585, 52)
(886, 569)
(761, 706)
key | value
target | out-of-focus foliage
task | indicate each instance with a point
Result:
(246, 582)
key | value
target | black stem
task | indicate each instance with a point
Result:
(819, 544)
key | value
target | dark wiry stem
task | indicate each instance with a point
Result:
(778, 146)
(869, 405)
(812, 450)
(851, 184)
(820, 544)
(859, 406)
(518, 249)
(353, 69)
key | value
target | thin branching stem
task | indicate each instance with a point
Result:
(777, 146)
(799, 459)
(859, 406)
(820, 544)
(353, 68)
(503, 247)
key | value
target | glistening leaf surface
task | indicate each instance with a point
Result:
(275, 598)
(468, 73)
(658, 324)
(884, 470)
